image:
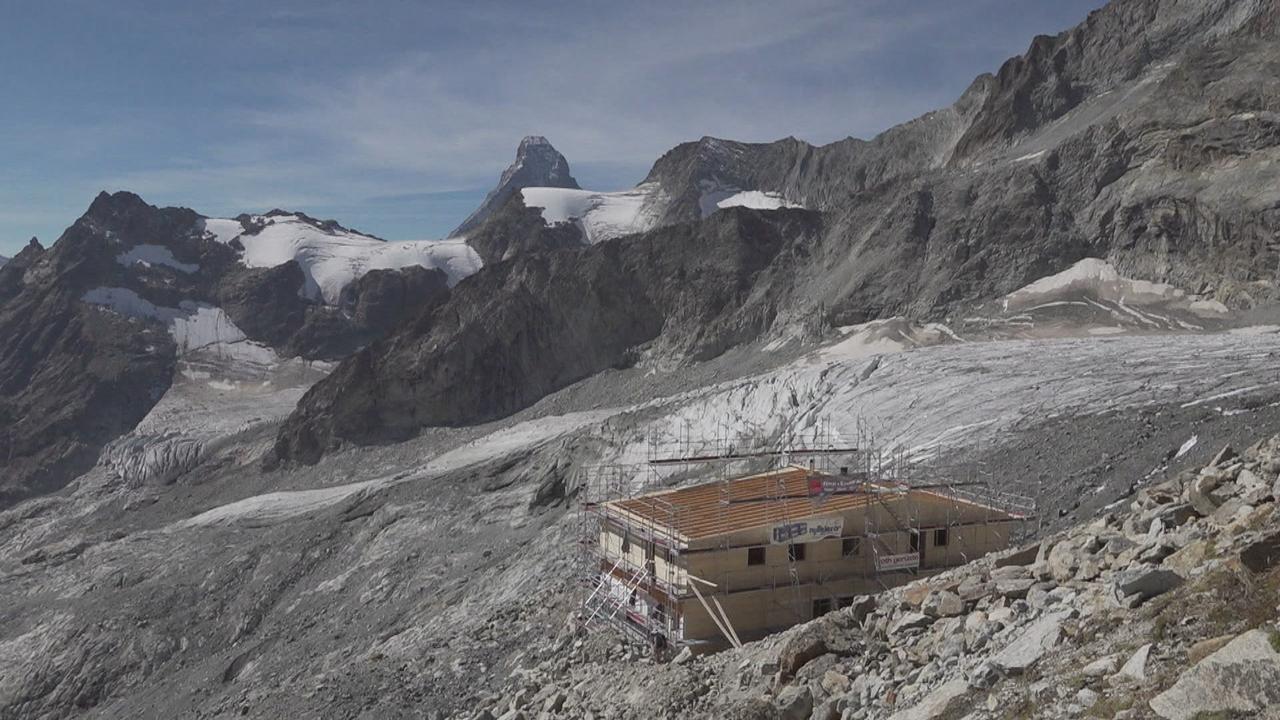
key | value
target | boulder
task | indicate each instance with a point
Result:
(985, 675)
(1135, 668)
(1242, 678)
(835, 683)
(1145, 582)
(1088, 570)
(1023, 557)
(798, 651)
(1063, 561)
(1201, 497)
(829, 710)
(1262, 554)
(942, 603)
(1028, 647)
(861, 607)
(914, 595)
(1248, 480)
(974, 588)
(1175, 516)
(1189, 558)
(1010, 572)
(1100, 667)
(1205, 648)
(1013, 588)
(1224, 456)
(795, 703)
(945, 699)
(908, 621)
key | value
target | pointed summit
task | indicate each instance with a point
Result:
(538, 164)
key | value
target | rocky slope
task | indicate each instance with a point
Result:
(1164, 606)
(537, 164)
(1146, 137)
(419, 578)
(541, 321)
(95, 326)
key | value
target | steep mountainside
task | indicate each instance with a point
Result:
(534, 324)
(1147, 136)
(95, 326)
(537, 164)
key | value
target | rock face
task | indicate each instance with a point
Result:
(512, 229)
(94, 327)
(1143, 137)
(521, 329)
(537, 164)
(1242, 677)
(73, 376)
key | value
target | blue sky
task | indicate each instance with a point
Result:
(395, 117)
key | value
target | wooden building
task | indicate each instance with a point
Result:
(729, 561)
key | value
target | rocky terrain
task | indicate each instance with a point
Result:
(177, 578)
(272, 466)
(1145, 137)
(95, 326)
(1166, 605)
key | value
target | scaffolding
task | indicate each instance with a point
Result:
(643, 598)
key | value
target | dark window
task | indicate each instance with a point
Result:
(915, 541)
(845, 601)
(940, 537)
(850, 547)
(821, 606)
(626, 542)
(795, 553)
(755, 556)
(665, 555)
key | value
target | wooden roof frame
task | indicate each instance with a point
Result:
(696, 512)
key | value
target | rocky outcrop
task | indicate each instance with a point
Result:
(1242, 677)
(526, 327)
(513, 229)
(1199, 648)
(537, 164)
(73, 376)
(1143, 137)
(91, 334)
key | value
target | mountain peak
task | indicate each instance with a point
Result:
(537, 164)
(529, 140)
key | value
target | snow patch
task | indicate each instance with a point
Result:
(878, 337)
(333, 259)
(1097, 281)
(150, 255)
(601, 215)
(1029, 156)
(756, 200)
(194, 326)
(223, 231)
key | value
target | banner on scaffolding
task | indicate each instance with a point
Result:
(904, 561)
(803, 531)
(831, 484)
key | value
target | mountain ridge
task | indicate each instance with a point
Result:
(1118, 153)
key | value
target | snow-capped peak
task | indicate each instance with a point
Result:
(537, 164)
(332, 256)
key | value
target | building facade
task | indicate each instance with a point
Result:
(730, 561)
